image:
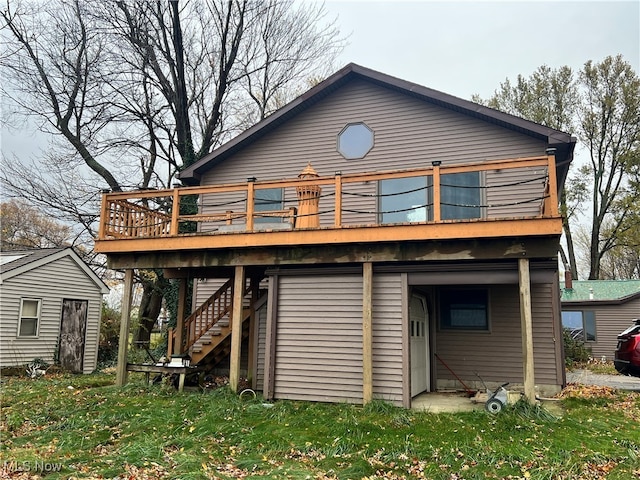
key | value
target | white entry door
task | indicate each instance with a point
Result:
(419, 331)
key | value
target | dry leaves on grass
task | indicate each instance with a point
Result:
(576, 390)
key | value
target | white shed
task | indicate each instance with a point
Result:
(50, 308)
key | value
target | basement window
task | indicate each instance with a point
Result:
(29, 317)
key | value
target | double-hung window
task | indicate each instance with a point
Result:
(29, 317)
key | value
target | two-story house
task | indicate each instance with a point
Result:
(373, 238)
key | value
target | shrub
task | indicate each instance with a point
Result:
(109, 334)
(575, 351)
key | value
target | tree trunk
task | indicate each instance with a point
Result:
(150, 307)
(571, 253)
(594, 251)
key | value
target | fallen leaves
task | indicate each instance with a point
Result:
(576, 390)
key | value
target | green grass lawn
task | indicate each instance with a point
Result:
(85, 427)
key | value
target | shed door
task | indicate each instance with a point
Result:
(73, 327)
(419, 330)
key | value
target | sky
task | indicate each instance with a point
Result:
(464, 48)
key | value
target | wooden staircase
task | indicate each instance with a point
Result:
(207, 331)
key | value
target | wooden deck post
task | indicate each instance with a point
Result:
(180, 314)
(367, 332)
(175, 213)
(437, 208)
(123, 341)
(338, 204)
(251, 198)
(236, 328)
(526, 322)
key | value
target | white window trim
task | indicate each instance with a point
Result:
(38, 315)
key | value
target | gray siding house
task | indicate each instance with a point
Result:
(597, 311)
(373, 239)
(50, 308)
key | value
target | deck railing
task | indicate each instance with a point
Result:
(231, 208)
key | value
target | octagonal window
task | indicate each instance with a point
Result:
(355, 140)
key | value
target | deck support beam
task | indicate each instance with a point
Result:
(367, 332)
(125, 322)
(526, 322)
(236, 328)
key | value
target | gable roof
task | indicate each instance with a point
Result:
(603, 291)
(14, 263)
(564, 143)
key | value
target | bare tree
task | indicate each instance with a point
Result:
(136, 90)
(549, 97)
(610, 126)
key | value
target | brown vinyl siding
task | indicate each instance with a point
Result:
(497, 354)
(408, 134)
(611, 320)
(319, 338)
(52, 282)
(387, 337)
(545, 334)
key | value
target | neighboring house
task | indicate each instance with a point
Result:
(597, 311)
(50, 308)
(372, 239)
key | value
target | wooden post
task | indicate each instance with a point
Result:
(104, 217)
(553, 183)
(338, 212)
(236, 328)
(123, 341)
(175, 213)
(180, 314)
(367, 332)
(170, 340)
(436, 193)
(526, 321)
(251, 198)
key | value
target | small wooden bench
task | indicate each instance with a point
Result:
(148, 369)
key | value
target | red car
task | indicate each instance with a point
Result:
(627, 355)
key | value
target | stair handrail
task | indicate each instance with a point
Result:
(220, 303)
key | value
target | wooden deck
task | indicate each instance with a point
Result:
(151, 220)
